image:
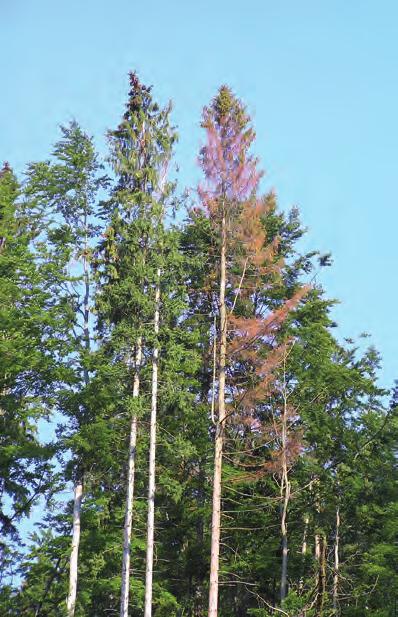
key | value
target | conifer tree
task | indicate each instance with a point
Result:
(130, 293)
(65, 190)
(235, 213)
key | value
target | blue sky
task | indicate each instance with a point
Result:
(319, 78)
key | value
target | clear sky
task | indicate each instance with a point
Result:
(319, 77)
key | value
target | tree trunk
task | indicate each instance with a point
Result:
(285, 491)
(78, 492)
(305, 533)
(321, 556)
(71, 600)
(336, 564)
(317, 547)
(323, 572)
(219, 438)
(304, 550)
(284, 541)
(86, 304)
(128, 519)
(152, 463)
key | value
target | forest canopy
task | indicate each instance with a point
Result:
(217, 449)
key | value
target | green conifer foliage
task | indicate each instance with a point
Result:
(64, 193)
(27, 361)
(139, 244)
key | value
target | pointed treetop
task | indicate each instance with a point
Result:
(5, 169)
(229, 167)
(8, 181)
(139, 97)
(140, 112)
(225, 106)
(141, 146)
(9, 190)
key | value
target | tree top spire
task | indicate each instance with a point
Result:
(223, 106)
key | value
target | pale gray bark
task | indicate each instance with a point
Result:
(152, 463)
(317, 547)
(336, 575)
(305, 533)
(285, 488)
(74, 555)
(304, 548)
(219, 438)
(285, 549)
(128, 518)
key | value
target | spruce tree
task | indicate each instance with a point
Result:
(235, 212)
(130, 294)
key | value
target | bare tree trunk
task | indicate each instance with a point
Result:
(285, 490)
(336, 564)
(78, 491)
(323, 572)
(304, 549)
(317, 547)
(305, 533)
(128, 519)
(285, 549)
(74, 555)
(152, 463)
(219, 438)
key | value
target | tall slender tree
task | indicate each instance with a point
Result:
(140, 151)
(66, 191)
(235, 212)
(231, 178)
